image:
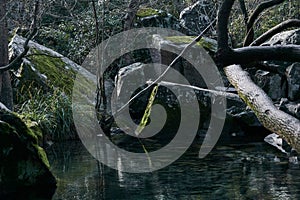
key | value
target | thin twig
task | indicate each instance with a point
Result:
(228, 95)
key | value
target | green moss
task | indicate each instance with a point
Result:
(42, 155)
(58, 74)
(146, 12)
(33, 127)
(204, 42)
(20, 127)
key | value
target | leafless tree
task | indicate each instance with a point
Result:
(233, 61)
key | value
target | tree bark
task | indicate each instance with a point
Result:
(277, 121)
(252, 54)
(130, 15)
(5, 83)
(244, 11)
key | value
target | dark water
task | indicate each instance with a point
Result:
(254, 171)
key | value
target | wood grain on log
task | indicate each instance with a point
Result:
(285, 125)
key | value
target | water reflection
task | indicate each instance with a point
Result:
(250, 172)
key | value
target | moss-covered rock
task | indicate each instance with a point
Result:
(149, 17)
(23, 162)
(55, 70)
(146, 12)
(205, 42)
(42, 69)
(43, 85)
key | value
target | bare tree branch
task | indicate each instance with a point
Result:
(209, 92)
(17, 61)
(222, 25)
(276, 29)
(227, 56)
(258, 10)
(273, 119)
(244, 11)
(96, 23)
(129, 18)
(252, 54)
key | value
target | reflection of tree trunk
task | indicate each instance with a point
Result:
(5, 83)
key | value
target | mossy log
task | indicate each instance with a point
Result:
(287, 126)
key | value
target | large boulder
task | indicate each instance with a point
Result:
(133, 78)
(241, 123)
(44, 67)
(24, 163)
(44, 82)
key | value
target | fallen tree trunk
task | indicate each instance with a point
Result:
(285, 125)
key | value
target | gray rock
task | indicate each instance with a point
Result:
(43, 72)
(271, 83)
(276, 141)
(195, 18)
(16, 47)
(239, 123)
(293, 80)
(177, 44)
(128, 80)
(293, 108)
(247, 116)
(285, 38)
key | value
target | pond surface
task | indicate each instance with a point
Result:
(255, 171)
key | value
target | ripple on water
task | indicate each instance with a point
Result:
(247, 172)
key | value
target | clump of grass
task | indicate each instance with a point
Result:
(52, 112)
